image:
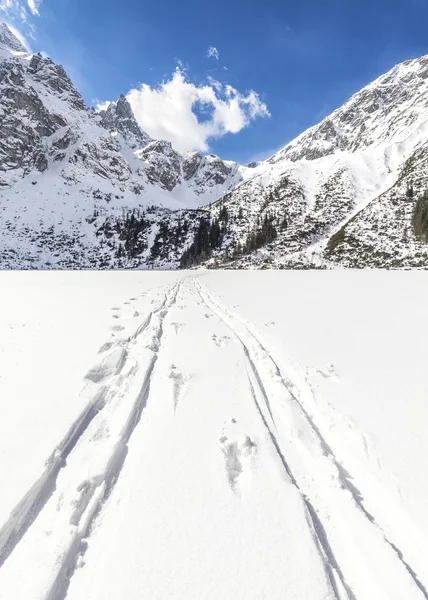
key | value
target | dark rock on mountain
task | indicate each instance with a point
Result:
(82, 189)
(118, 117)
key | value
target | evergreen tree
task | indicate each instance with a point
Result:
(223, 215)
(207, 237)
(262, 235)
(420, 218)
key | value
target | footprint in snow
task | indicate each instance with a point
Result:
(136, 314)
(110, 365)
(179, 381)
(220, 341)
(105, 347)
(238, 450)
(101, 433)
(177, 326)
(270, 324)
(328, 372)
(118, 328)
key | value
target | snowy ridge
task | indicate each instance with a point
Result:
(386, 110)
(9, 42)
(61, 164)
(81, 189)
(366, 154)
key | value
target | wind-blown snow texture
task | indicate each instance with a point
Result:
(170, 440)
(71, 181)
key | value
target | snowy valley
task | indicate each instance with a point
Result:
(199, 400)
(198, 445)
(86, 189)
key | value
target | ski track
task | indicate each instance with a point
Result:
(252, 347)
(323, 484)
(26, 511)
(94, 493)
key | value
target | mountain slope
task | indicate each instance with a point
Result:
(360, 160)
(67, 173)
(85, 189)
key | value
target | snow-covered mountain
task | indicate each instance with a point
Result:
(85, 189)
(68, 174)
(345, 190)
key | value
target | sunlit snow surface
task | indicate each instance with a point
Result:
(221, 435)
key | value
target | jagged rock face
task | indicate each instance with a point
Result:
(168, 169)
(191, 164)
(206, 170)
(47, 73)
(61, 163)
(81, 189)
(118, 117)
(212, 171)
(101, 157)
(25, 123)
(163, 166)
(160, 165)
(9, 40)
(385, 109)
(37, 99)
(349, 174)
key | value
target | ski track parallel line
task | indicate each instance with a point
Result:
(32, 503)
(321, 542)
(318, 533)
(26, 511)
(79, 544)
(344, 477)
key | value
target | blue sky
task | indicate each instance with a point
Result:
(302, 58)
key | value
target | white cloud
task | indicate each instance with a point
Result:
(18, 15)
(8, 6)
(33, 5)
(21, 11)
(215, 84)
(99, 106)
(167, 111)
(213, 52)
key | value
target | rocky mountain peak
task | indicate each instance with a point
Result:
(381, 112)
(119, 117)
(9, 41)
(123, 108)
(52, 75)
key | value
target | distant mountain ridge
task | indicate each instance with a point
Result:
(81, 189)
(339, 193)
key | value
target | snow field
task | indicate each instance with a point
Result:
(204, 458)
